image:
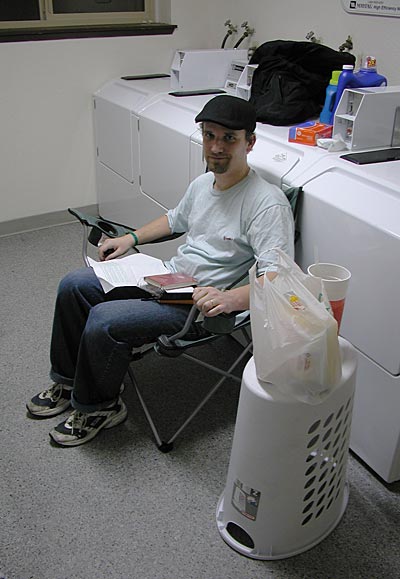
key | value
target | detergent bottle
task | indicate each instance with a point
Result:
(326, 115)
(367, 76)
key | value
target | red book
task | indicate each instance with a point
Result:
(168, 281)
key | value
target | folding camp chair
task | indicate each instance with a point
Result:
(235, 326)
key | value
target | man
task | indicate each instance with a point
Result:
(231, 216)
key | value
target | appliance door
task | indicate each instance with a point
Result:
(116, 133)
(124, 203)
(375, 429)
(167, 156)
(116, 106)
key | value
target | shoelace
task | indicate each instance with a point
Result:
(76, 421)
(54, 392)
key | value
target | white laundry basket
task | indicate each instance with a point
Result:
(286, 486)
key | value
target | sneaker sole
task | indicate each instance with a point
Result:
(48, 412)
(113, 421)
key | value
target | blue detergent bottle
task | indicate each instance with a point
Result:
(331, 90)
(367, 76)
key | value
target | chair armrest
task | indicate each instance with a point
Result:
(111, 228)
(100, 226)
(221, 324)
(173, 346)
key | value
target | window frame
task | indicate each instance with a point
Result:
(49, 19)
(97, 18)
(88, 25)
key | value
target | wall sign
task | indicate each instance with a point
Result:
(373, 7)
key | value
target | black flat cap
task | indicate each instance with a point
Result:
(229, 111)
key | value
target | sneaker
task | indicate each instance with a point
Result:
(81, 427)
(51, 402)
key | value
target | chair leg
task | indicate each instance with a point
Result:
(166, 446)
(161, 445)
(227, 374)
(241, 336)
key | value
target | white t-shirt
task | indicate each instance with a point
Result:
(228, 230)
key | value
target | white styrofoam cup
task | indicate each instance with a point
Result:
(336, 280)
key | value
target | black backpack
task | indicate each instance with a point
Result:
(289, 84)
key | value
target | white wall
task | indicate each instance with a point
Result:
(293, 19)
(46, 145)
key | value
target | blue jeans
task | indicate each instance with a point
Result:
(94, 333)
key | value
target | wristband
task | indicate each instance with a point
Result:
(135, 237)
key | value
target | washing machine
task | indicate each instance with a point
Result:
(116, 108)
(169, 158)
(145, 157)
(349, 216)
(149, 148)
(171, 141)
(274, 157)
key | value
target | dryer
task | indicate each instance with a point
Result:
(349, 216)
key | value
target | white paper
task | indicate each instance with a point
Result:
(126, 271)
(188, 289)
(332, 145)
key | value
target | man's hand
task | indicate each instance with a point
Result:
(212, 302)
(114, 247)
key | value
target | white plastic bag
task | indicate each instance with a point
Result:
(295, 342)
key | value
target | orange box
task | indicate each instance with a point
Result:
(308, 133)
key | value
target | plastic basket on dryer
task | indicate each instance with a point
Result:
(286, 486)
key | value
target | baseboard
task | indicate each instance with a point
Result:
(42, 221)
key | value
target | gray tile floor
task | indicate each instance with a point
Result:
(117, 507)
